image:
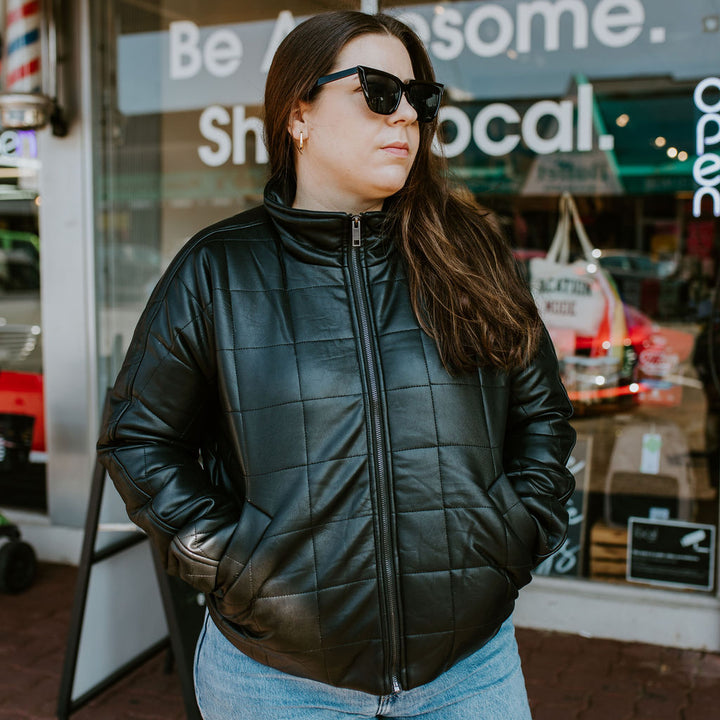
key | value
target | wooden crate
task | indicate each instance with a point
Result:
(608, 553)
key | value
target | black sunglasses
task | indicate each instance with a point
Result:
(383, 92)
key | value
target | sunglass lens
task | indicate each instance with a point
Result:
(382, 93)
(425, 98)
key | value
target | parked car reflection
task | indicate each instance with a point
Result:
(20, 314)
(637, 263)
(21, 379)
(651, 285)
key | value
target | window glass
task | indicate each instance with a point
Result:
(615, 103)
(178, 89)
(22, 431)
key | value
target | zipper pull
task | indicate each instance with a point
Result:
(396, 688)
(356, 235)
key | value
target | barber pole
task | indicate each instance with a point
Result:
(22, 38)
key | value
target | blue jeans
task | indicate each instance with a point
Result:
(488, 685)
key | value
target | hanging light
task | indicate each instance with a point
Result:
(29, 99)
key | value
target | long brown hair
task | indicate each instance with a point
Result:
(465, 287)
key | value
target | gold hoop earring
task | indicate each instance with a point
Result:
(301, 141)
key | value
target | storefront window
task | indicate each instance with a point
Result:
(605, 110)
(616, 104)
(22, 432)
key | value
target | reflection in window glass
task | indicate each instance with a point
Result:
(22, 431)
(550, 98)
(601, 101)
(179, 89)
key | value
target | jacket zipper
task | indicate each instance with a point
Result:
(378, 452)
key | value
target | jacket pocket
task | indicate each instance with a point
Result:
(521, 530)
(234, 582)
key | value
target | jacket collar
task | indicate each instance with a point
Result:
(323, 238)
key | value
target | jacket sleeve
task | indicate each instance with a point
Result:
(150, 438)
(538, 443)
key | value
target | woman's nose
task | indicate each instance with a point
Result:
(405, 112)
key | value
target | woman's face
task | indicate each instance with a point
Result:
(353, 158)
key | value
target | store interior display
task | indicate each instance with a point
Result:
(649, 400)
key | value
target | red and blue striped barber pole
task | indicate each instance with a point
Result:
(22, 38)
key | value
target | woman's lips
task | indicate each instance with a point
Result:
(397, 149)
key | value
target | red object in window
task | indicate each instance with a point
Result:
(22, 394)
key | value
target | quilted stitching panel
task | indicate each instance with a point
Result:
(320, 316)
(410, 414)
(360, 664)
(344, 553)
(329, 369)
(389, 292)
(294, 621)
(428, 615)
(283, 495)
(338, 604)
(421, 541)
(335, 428)
(250, 319)
(476, 537)
(283, 565)
(403, 360)
(480, 593)
(465, 474)
(267, 376)
(459, 416)
(415, 478)
(339, 491)
(274, 438)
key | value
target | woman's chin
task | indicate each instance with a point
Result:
(390, 186)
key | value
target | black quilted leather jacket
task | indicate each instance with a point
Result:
(287, 436)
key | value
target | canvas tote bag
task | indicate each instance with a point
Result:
(570, 295)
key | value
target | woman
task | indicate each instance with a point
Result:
(381, 427)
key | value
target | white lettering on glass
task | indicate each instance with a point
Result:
(490, 29)
(210, 118)
(585, 120)
(232, 142)
(221, 53)
(563, 140)
(503, 37)
(482, 138)
(420, 25)
(447, 27)
(701, 139)
(551, 13)
(463, 134)
(284, 25)
(506, 139)
(18, 143)
(617, 23)
(706, 168)
(185, 56)
(9, 142)
(241, 127)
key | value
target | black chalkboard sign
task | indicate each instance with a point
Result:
(671, 553)
(185, 612)
(568, 559)
(85, 673)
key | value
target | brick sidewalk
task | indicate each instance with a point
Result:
(568, 677)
